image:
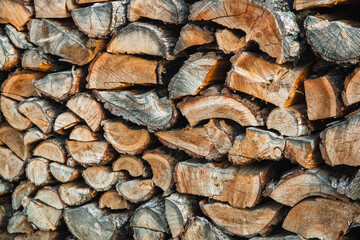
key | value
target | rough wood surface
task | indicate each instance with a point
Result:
(37, 171)
(135, 166)
(351, 92)
(15, 13)
(12, 167)
(51, 9)
(308, 4)
(24, 189)
(64, 173)
(50, 196)
(230, 41)
(18, 223)
(113, 200)
(34, 135)
(102, 178)
(12, 115)
(348, 185)
(52, 149)
(19, 39)
(84, 134)
(37, 60)
(5, 188)
(144, 234)
(89, 1)
(76, 193)
(9, 54)
(14, 140)
(65, 121)
(137, 190)
(280, 235)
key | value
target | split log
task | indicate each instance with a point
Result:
(113, 200)
(230, 41)
(279, 235)
(198, 72)
(308, 4)
(40, 111)
(63, 173)
(14, 140)
(34, 135)
(193, 35)
(130, 39)
(10, 56)
(37, 60)
(100, 19)
(41, 235)
(351, 92)
(5, 188)
(76, 193)
(24, 189)
(51, 9)
(261, 219)
(72, 4)
(65, 121)
(37, 171)
(50, 196)
(12, 167)
(65, 41)
(15, 13)
(135, 166)
(260, 77)
(112, 71)
(312, 218)
(87, 108)
(136, 190)
(18, 223)
(263, 22)
(347, 186)
(89, 1)
(150, 108)
(90, 153)
(84, 134)
(19, 39)
(240, 186)
(12, 115)
(52, 149)
(144, 234)
(219, 102)
(102, 178)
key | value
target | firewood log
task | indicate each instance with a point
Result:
(259, 76)
(37, 171)
(100, 19)
(24, 189)
(37, 60)
(19, 39)
(18, 223)
(351, 92)
(219, 102)
(193, 34)
(52, 149)
(280, 235)
(348, 185)
(137, 190)
(34, 135)
(113, 200)
(50, 196)
(14, 140)
(102, 178)
(115, 71)
(5, 213)
(41, 235)
(87, 108)
(312, 218)
(51, 9)
(15, 13)
(84, 134)
(12, 167)
(72, 4)
(230, 41)
(5, 188)
(135, 166)
(40, 111)
(89, 1)
(263, 22)
(308, 4)
(130, 39)
(256, 145)
(67, 42)
(90, 153)
(76, 193)
(150, 108)
(95, 223)
(144, 234)
(240, 186)
(65, 121)
(12, 115)
(10, 55)
(63, 173)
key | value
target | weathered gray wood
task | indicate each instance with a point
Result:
(37, 60)
(19, 39)
(51, 9)
(24, 189)
(76, 193)
(279, 235)
(136, 190)
(64, 173)
(9, 55)
(18, 223)
(12, 167)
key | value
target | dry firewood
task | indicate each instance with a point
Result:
(303, 150)
(193, 35)
(37, 60)
(51, 9)
(132, 38)
(24, 189)
(135, 166)
(89, 1)
(219, 102)
(137, 190)
(12, 115)
(90, 153)
(6, 210)
(19, 39)
(179, 208)
(10, 56)
(52, 149)
(198, 72)
(87, 108)
(113, 200)
(259, 76)
(240, 186)
(65, 121)
(244, 222)
(40, 111)
(64, 173)
(15, 13)
(14, 140)
(116, 71)
(76, 193)
(19, 85)
(34, 135)
(230, 41)
(351, 92)
(263, 21)
(63, 40)
(150, 108)
(102, 178)
(50, 196)
(18, 223)
(256, 145)
(279, 235)
(322, 218)
(100, 19)
(71, 5)
(60, 85)
(5, 187)
(308, 4)
(83, 133)
(144, 234)
(41, 235)
(37, 171)
(12, 167)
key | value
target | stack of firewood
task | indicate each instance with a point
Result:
(179, 119)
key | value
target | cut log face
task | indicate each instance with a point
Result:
(12, 115)
(37, 171)
(89, 1)
(18, 223)
(40, 235)
(308, 4)
(150, 108)
(258, 19)
(240, 186)
(218, 102)
(351, 92)
(63, 173)
(12, 167)
(51, 9)
(19, 39)
(65, 121)
(102, 178)
(135, 166)
(256, 145)
(34, 135)
(57, 38)
(24, 189)
(144, 234)
(124, 138)
(52, 149)
(5, 188)
(76, 193)
(83, 133)
(311, 217)
(87, 108)
(143, 38)
(256, 75)
(136, 190)
(113, 200)
(348, 186)
(14, 140)
(50, 196)
(15, 13)
(229, 41)
(10, 56)
(37, 60)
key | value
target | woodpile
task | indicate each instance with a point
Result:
(179, 119)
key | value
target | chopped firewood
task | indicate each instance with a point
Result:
(303, 150)
(51, 9)
(52, 149)
(240, 186)
(41, 235)
(348, 186)
(259, 76)
(37, 60)
(130, 39)
(113, 200)
(37, 171)
(64, 173)
(40, 111)
(230, 42)
(65, 121)
(135, 166)
(19, 39)
(150, 108)
(351, 92)
(256, 145)
(63, 40)
(5, 212)
(76, 193)
(5, 188)
(15, 13)
(279, 235)
(18, 223)
(50, 196)
(14, 140)
(102, 178)
(136, 190)
(83, 133)
(308, 4)
(87, 108)
(71, 5)
(219, 102)
(12, 167)
(24, 189)
(100, 19)
(10, 56)
(145, 234)
(12, 115)
(193, 35)
(311, 218)
(90, 153)
(115, 71)
(89, 1)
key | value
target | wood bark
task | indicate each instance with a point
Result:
(14, 140)
(52, 149)
(84, 134)
(64, 121)
(15, 13)
(230, 41)
(51, 9)
(37, 60)
(137, 190)
(102, 178)
(50, 196)
(144, 234)
(41, 235)
(10, 56)
(37, 171)
(34, 135)
(24, 189)
(135, 166)
(76, 193)
(18, 223)
(64, 173)
(113, 200)
(309, 4)
(12, 115)
(280, 235)
(351, 92)
(19, 39)
(12, 167)
(347, 185)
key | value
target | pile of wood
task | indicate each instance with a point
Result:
(179, 119)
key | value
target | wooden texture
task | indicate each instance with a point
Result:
(135, 166)
(50, 196)
(309, 4)
(18, 223)
(52, 149)
(144, 234)
(113, 200)
(351, 92)
(64, 121)
(12, 167)
(34, 135)
(12, 115)
(51, 9)
(19, 39)
(24, 189)
(37, 60)
(102, 178)
(230, 41)
(76, 193)
(136, 190)
(15, 13)
(14, 140)
(64, 173)
(9, 55)
(37, 171)
(84, 134)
